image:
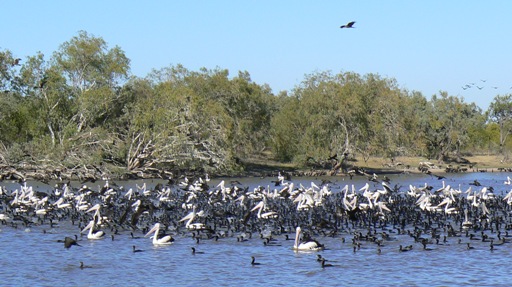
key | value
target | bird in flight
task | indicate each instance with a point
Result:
(348, 25)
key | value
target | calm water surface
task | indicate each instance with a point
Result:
(30, 257)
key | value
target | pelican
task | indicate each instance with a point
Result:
(466, 224)
(305, 246)
(191, 216)
(165, 240)
(96, 208)
(260, 206)
(92, 233)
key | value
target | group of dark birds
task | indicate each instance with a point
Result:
(380, 213)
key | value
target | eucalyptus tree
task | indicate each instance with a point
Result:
(347, 114)
(11, 122)
(251, 107)
(285, 128)
(328, 119)
(391, 121)
(500, 112)
(448, 126)
(248, 105)
(9, 81)
(415, 114)
(46, 88)
(93, 71)
(168, 124)
(19, 115)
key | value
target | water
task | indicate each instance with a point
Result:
(30, 257)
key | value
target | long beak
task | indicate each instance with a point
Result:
(96, 207)
(152, 230)
(258, 206)
(187, 217)
(88, 226)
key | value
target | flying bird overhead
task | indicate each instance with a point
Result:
(348, 25)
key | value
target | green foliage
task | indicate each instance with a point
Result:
(500, 112)
(81, 108)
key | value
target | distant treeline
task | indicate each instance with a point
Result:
(81, 110)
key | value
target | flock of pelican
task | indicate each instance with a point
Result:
(195, 208)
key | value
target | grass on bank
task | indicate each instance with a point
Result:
(475, 163)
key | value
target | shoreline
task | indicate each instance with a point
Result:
(260, 168)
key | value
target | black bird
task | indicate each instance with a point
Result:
(82, 266)
(424, 242)
(348, 25)
(405, 249)
(68, 242)
(134, 237)
(325, 264)
(439, 177)
(136, 250)
(253, 261)
(475, 183)
(43, 82)
(194, 252)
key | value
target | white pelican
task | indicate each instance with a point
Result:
(508, 198)
(466, 224)
(4, 217)
(92, 233)
(260, 206)
(191, 216)
(164, 240)
(305, 246)
(62, 204)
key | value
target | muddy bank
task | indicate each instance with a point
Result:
(46, 173)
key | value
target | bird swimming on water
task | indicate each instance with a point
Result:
(253, 261)
(324, 265)
(194, 252)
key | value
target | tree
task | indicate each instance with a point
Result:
(93, 72)
(285, 128)
(449, 121)
(500, 112)
(46, 88)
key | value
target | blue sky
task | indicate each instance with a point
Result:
(427, 46)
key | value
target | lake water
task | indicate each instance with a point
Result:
(32, 257)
